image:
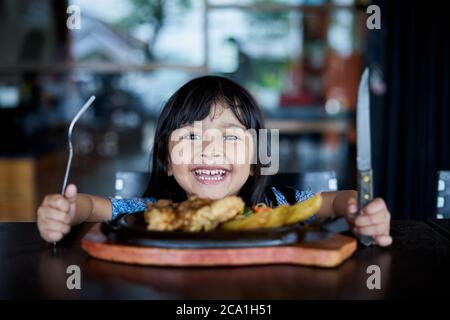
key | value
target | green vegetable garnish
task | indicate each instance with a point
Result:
(247, 212)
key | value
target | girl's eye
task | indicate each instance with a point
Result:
(230, 138)
(191, 136)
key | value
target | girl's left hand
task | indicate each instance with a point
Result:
(373, 220)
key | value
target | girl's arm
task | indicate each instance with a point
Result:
(335, 204)
(91, 208)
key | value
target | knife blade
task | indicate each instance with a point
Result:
(363, 148)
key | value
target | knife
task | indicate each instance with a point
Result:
(363, 148)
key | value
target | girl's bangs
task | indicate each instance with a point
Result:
(200, 101)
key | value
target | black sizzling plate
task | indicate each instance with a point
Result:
(131, 229)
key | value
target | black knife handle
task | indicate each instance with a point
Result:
(365, 187)
(365, 195)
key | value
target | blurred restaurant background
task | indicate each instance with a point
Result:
(301, 59)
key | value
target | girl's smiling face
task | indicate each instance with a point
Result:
(211, 158)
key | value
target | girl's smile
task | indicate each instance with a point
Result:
(210, 174)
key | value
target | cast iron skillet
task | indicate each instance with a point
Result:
(131, 229)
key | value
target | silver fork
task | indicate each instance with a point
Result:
(69, 140)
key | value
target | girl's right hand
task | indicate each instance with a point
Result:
(55, 214)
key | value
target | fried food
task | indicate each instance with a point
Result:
(194, 214)
(277, 217)
(304, 210)
(252, 221)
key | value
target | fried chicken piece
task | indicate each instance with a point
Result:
(194, 214)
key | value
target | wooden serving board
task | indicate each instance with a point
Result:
(324, 253)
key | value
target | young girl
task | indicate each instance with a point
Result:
(226, 111)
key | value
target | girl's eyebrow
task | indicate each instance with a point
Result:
(187, 125)
(223, 125)
(233, 125)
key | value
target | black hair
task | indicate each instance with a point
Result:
(193, 102)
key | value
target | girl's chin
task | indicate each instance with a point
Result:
(211, 192)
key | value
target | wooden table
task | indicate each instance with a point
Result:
(416, 266)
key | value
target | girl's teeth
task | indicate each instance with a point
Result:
(209, 172)
(210, 178)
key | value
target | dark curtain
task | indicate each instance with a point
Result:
(410, 121)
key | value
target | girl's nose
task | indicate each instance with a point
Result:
(212, 149)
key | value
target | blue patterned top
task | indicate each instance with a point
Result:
(128, 206)
(274, 196)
